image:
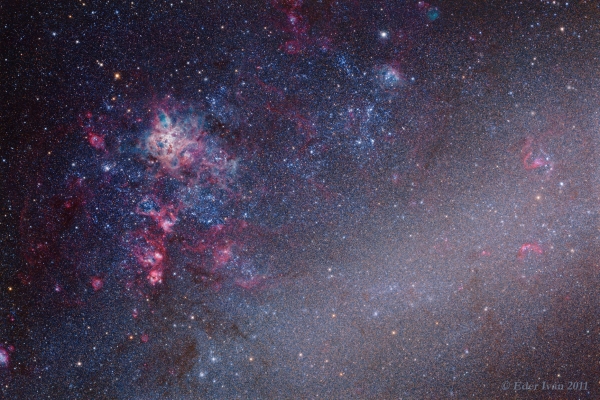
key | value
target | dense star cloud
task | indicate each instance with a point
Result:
(299, 199)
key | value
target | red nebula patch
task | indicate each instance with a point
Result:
(528, 248)
(96, 141)
(97, 283)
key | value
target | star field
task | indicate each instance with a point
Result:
(299, 199)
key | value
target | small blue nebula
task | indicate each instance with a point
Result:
(433, 13)
(164, 119)
(147, 206)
